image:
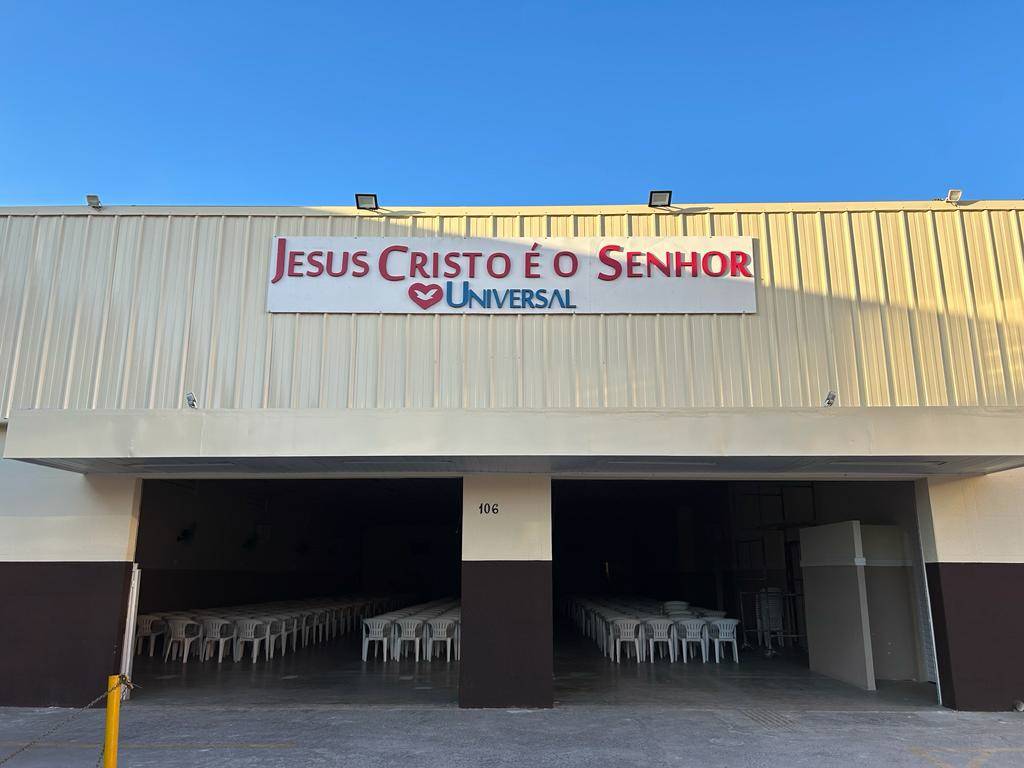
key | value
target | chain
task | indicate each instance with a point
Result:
(122, 680)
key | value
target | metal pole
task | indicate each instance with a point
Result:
(113, 720)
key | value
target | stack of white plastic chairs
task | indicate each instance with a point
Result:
(258, 630)
(640, 627)
(418, 631)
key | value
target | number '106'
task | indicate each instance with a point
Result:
(488, 509)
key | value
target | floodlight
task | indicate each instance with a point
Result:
(93, 201)
(366, 202)
(953, 196)
(660, 198)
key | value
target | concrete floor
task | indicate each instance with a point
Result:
(321, 707)
(334, 675)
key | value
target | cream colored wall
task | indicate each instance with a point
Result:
(910, 303)
(835, 598)
(973, 520)
(521, 530)
(51, 515)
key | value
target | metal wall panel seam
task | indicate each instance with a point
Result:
(858, 357)
(104, 323)
(952, 390)
(240, 346)
(211, 353)
(186, 331)
(1017, 236)
(437, 361)
(890, 374)
(154, 371)
(19, 333)
(768, 278)
(353, 341)
(801, 310)
(135, 256)
(41, 366)
(1000, 307)
(268, 354)
(972, 309)
(915, 342)
(69, 369)
(746, 382)
(954, 333)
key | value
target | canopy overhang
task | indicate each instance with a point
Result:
(755, 443)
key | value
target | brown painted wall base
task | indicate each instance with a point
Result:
(978, 629)
(63, 625)
(507, 651)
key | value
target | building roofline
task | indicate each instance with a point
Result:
(405, 211)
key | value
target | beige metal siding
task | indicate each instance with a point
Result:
(890, 304)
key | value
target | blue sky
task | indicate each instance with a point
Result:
(508, 103)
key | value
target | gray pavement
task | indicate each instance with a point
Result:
(567, 736)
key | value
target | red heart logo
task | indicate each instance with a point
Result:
(425, 294)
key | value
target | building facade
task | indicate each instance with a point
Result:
(909, 316)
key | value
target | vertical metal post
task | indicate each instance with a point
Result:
(113, 721)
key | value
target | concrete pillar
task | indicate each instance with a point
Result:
(507, 653)
(67, 542)
(972, 534)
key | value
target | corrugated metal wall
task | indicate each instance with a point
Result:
(912, 304)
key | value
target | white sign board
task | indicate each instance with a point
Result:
(586, 275)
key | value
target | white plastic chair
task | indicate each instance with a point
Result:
(376, 631)
(275, 634)
(409, 631)
(148, 626)
(693, 631)
(441, 631)
(724, 631)
(659, 632)
(307, 626)
(181, 634)
(769, 614)
(217, 632)
(320, 626)
(290, 629)
(249, 631)
(626, 631)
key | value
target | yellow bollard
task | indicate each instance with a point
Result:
(113, 720)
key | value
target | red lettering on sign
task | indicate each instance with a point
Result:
(738, 261)
(574, 263)
(633, 263)
(359, 260)
(382, 265)
(606, 258)
(313, 259)
(710, 259)
(419, 261)
(282, 246)
(503, 259)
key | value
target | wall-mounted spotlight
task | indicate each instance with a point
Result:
(190, 400)
(93, 201)
(366, 202)
(953, 196)
(659, 198)
(830, 398)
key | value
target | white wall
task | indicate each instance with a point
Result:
(974, 519)
(50, 515)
